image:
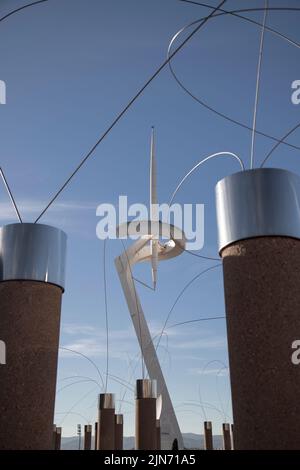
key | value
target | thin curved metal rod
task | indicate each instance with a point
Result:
(211, 258)
(213, 361)
(204, 160)
(180, 295)
(189, 411)
(116, 378)
(250, 20)
(106, 315)
(133, 369)
(87, 358)
(203, 103)
(122, 382)
(199, 387)
(224, 416)
(279, 143)
(22, 8)
(126, 401)
(143, 283)
(77, 403)
(73, 413)
(77, 382)
(124, 110)
(258, 74)
(201, 401)
(195, 321)
(206, 404)
(10, 195)
(70, 377)
(218, 391)
(217, 385)
(78, 377)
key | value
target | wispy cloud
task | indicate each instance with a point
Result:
(71, 216)
(215, 371)
(30, 208)
(202, 343)
(91, 341)
(75, 329)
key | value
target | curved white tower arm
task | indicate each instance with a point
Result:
(141, 251)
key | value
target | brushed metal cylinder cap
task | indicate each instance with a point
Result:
(119, 419)
(258, 203)
(146, 388)
(32, 252)
(106, 401)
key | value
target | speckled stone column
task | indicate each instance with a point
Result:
(119, 432)
(53, 437)
(29, 325)
(58, 439)
(208, 436)
(145, 415)
(226, 436)
(262, 292)
(106, 422)
(87, 437)
(96, 437)
(158, 435)
(262, 297)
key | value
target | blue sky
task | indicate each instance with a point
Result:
(69, 67)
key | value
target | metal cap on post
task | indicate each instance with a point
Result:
(226, 436)
(32, 280)
(208, 436)
(87, 437)
(106, 401)
(106, 421)
(146, 388)
(258, 215)
(145, 418)
(58, 438)
(258, 203)
(33, 252)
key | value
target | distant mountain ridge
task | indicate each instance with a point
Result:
(191, 441)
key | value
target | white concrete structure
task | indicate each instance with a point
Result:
(149, 248)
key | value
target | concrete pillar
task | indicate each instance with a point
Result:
(259, 231)
(96, 436)
(226, 436)
(106, 422)
(208, 436)
(54, 437)
(58, 439)
(118, 432)
(145, 415)
(87, 437)
(158, 435)
(32, 264)
(232, 436)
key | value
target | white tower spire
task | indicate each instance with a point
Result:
(153, 211)
(148, 248)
